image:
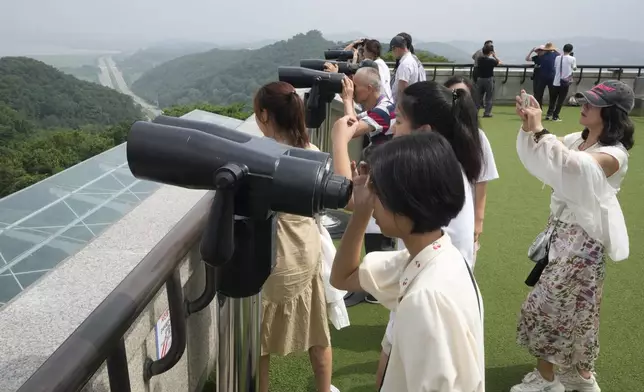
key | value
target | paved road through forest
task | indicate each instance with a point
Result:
(110, 76)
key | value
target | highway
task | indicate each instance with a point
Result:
(110, 76)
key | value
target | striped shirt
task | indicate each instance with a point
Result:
(380, 119)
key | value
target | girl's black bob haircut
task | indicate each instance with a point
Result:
(419, 177)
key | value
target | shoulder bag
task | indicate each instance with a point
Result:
(540, 249)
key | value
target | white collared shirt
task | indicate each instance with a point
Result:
(438, 335)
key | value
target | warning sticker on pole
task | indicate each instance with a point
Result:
(163, 332)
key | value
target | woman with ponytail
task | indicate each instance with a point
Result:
(489, 172)
(294, 317)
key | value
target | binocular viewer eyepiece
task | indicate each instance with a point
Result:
(340, 55)
(269, 176)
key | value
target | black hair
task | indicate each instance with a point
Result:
(488, 42)
(454, 80)
(419, 177)
(453, 114)
(567, 48)
(618, 128)
(373, 46)
(488, 49)
(407, 38)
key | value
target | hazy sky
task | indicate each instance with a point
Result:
(138, 21)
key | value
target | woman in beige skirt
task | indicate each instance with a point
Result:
(294, 317)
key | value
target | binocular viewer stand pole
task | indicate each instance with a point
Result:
(242, 251)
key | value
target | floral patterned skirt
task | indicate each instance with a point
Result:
(559, 320)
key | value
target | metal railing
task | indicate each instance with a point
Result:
(101, 337)
(615, 70)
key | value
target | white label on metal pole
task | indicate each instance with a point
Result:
(163, 332)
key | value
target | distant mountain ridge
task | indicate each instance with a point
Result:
(222, 76)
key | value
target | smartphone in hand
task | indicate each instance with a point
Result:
(526, 100)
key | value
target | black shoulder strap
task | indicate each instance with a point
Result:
(478, 299)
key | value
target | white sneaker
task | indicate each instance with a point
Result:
(572, 381)
(533, 382)
(334, 389)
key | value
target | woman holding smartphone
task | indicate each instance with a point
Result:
(559, 322)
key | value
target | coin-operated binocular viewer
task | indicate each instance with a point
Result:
(253, 179)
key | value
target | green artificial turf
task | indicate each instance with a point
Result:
(517, 210)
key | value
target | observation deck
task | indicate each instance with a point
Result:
(94, 263)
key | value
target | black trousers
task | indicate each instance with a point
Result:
(540, 89)
(560, 95)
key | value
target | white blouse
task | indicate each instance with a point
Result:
(580, 186)
(437, 343)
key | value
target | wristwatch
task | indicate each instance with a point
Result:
(540, 134)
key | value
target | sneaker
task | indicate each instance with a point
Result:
(334, 389)
(557, 119)
(371, 299)
(533, 382)
(572, 381)
(487, 115)
(548, 118)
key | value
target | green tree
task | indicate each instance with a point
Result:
(423, 56)
(236, 110)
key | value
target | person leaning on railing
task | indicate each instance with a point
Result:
(294, 313)
(374, 126)
(477, 55)
(559, 322)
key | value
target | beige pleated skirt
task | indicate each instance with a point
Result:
(294, 316)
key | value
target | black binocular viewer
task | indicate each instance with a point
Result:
(253, 177)
(344, 67)
(300, 77)
(270, 176)
(340, 55)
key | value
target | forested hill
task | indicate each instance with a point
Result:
(50, 121)
(225, 76)
(47, 97)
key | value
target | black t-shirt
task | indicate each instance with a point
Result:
(537, 66)
(486, 66)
